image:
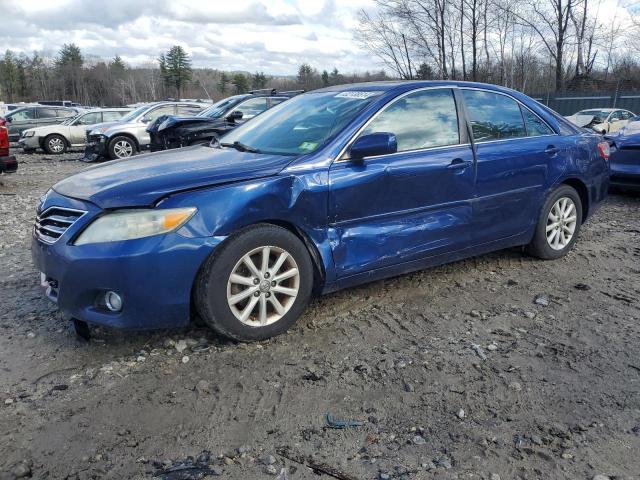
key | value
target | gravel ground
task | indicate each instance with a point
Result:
(501, 366)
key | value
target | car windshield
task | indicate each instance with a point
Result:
(130, 116)
(221, 106)
(300, 125)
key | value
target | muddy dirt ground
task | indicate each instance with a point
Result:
(501, 366)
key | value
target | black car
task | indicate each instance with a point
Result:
(169, 131)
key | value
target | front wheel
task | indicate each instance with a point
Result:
(558, 225)
(256, 285)
(121, 147)
(55, 144)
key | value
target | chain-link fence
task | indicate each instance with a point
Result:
(568, 103)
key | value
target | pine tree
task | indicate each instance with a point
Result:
(259, 80)
(223, 83)
(175, 68)
(240, 83)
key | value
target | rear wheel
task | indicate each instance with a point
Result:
(558, 224)
(55, 144)
(121, 147)
(256, 285)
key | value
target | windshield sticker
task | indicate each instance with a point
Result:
(308, 146)
(358, 95)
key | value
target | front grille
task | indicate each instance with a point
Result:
(54, 221)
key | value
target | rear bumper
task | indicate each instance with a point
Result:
(8, 164)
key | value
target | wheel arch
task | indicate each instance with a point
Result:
(583, 192)
(128, 135)
(44, 139)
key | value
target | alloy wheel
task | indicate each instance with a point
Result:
(263, 286)
(561, 223)
(123, 149)
(56, 145)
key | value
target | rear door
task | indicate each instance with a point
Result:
(141, 128)
(416, 203)
(515, 150)
(77, 131)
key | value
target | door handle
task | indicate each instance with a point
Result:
(458, 164)
(551, 150)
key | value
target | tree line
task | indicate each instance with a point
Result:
(73, 75)
(529, 45)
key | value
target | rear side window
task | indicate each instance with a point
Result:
(493, 116)
(90, 119)
(535, 126)
(158, 112)
(47, 113)
(423, 119)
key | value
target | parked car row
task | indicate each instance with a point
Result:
(36, 116)
(326, 190)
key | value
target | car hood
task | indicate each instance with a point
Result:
(169, 121)
(581, 120)
(102, 126)
(143, 180)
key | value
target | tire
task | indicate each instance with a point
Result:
(54, 144)
(121, 147)
(549, 246)
(221, 303)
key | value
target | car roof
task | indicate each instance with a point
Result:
(406, 85)
(110, 109)
(601, 109)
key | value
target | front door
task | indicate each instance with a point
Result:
(412, 204)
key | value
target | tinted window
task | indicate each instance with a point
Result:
(493, 116)
(112, 116)
(90, 119)
(158, 112)
(420, 120)
(535, 126)
(47, 113)
(252, 107)
(21, 115)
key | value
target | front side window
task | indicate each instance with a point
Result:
(493, 116)
(90, 119)
(627, 115)
(423, 119)
(252, 107)
(22, 115)
(616, 116)
(535, 126)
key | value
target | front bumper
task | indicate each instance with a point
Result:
(96, 148)
(154, 275)
(29, 143)
(8, 164)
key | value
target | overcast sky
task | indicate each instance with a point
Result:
(274, 36)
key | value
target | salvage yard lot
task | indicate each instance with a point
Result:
(500, 365)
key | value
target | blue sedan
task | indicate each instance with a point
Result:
(331, 189)
(625, 156)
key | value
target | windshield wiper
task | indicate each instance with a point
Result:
(241, 147)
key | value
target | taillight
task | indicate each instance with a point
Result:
(604, 150)
(4, 141)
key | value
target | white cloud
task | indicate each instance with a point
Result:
(271, 35)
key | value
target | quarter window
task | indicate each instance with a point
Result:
(423, 119)
(493, 116)
(535, 126)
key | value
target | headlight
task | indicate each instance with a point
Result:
(130, 224)
(28, 133)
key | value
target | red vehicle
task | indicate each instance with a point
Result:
(8, 163)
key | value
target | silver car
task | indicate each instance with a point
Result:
(128, 136)
(71, 133)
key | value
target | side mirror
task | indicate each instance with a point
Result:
(235, 116)
(146, 119)
(9, 119)
(381, 143)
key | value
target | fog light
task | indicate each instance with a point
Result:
(113, 301)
